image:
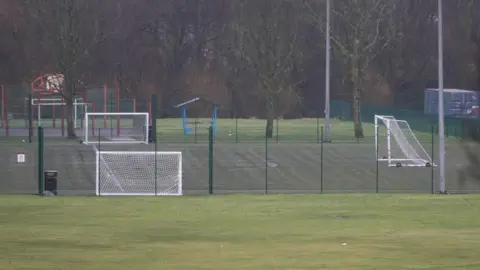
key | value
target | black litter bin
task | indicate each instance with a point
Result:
(51, 181)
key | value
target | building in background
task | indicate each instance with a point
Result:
(457, 102)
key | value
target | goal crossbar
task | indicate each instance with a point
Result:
(54, 101)
(118, 113)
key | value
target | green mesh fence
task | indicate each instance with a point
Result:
(418, 121)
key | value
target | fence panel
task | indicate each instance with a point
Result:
(267, 166)
(18, 167)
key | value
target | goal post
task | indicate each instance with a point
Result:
(396, 144)
(115, 127)
(120, 173)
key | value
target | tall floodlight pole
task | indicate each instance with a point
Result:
(441, 133)
(326, 134)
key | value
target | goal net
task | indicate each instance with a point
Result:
(396, 144)
(116, 128)
(138, 173)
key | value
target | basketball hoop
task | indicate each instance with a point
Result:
(48, 84)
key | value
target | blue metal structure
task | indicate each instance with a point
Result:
(187, 126)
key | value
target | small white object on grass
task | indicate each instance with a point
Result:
(344, 244)
(24, 141)
(271, 164)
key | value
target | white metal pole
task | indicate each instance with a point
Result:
(75, 114)
(39, 115)
(389, 144)
(85, 132)
(146, 128)
(327, 73)
(376, 136)
(441, 133)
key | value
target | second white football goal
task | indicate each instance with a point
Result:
(115, 127)
(396, 144)
(138, 173)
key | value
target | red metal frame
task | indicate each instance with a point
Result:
(118, 110)
(150, 113)
(6, 111)
(104, 105)
(3, 107)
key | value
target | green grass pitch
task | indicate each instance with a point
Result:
(305, 130)
(241, 232)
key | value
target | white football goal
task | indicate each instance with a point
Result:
(138, 173)
(58, 104)
(396, 144)
(115, 127)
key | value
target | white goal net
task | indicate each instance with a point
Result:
(396, 144)
(138, 173)
(115, 128)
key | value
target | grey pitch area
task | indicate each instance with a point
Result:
(298, 168)
(74, 162)
(239, 168)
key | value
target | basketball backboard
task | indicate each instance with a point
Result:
(48, 84)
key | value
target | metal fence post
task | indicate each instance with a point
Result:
(266, 163)
(195, 131)
(318, 130)
(277, 130)
(321, 160)
(376, 160)
(236, 129)
(210, 160)
(41, 180)
(153, 116)
(99, 149)
(155, 168)
(432, 161)
(30, 126)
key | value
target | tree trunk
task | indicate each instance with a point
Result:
(477, 62)
(357, 117)
(69, 117)
(270, 118)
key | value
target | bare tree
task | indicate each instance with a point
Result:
(126, 53)
(472, 29)
(471, 145)
(65, 31)
(266, 44)
(361, 31)
(178, 34)
(406, 63)
(247, 53)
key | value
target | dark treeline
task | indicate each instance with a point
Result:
(256, 58)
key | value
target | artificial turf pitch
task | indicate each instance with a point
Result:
(241, 232)
(245, 163)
